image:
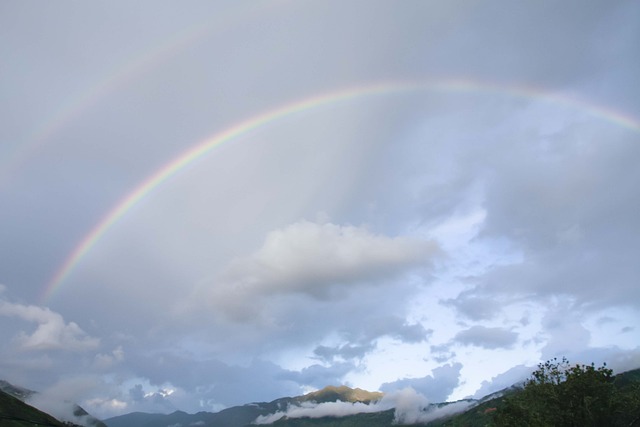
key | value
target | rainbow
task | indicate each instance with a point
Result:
(119, 76)
(205, 147)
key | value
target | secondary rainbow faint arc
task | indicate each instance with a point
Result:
(119, 76)
(201, 149)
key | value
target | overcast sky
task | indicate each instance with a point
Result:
(461, 206)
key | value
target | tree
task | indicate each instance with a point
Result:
(559, 394)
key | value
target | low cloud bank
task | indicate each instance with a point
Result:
(410, 407)
(61, 410)
(59, 400)
(324, 409)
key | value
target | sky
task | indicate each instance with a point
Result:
(212, 203)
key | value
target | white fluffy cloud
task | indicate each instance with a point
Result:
(316, 260)
(51, 332)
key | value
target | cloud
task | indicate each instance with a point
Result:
(217, 383)
(362, 338)
(106, 361)
(60, 400)
(442, 353)
(319, 376)
(474, 307)
(410, 407)
(572, 222)
(314, 260)
(489, 338)
(504, 380)
(435, 387)
(342, 352)
(324, 409)
(52, 332)
(136, 393)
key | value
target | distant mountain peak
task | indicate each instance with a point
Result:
(343, 393)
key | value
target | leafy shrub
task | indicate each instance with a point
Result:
(559, 394)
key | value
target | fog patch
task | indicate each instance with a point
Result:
(410, 407)
(62, 410)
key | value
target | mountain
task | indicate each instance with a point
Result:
(245, 415)
(468, 412)
(15, 391)
(240, 416)
(341, 393)
(73, 414)
(15, 413)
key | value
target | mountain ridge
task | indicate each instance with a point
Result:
(465, 412)
(15, 412)
(77, 416)
(244, 414)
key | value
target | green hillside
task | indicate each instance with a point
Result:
(16, 413)
(22, 395)
(623, 405)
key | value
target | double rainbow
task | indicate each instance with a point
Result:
(205, 147)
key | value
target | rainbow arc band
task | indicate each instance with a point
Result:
(123, 75)
(314, 102)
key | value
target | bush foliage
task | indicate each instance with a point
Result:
(560, 394)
